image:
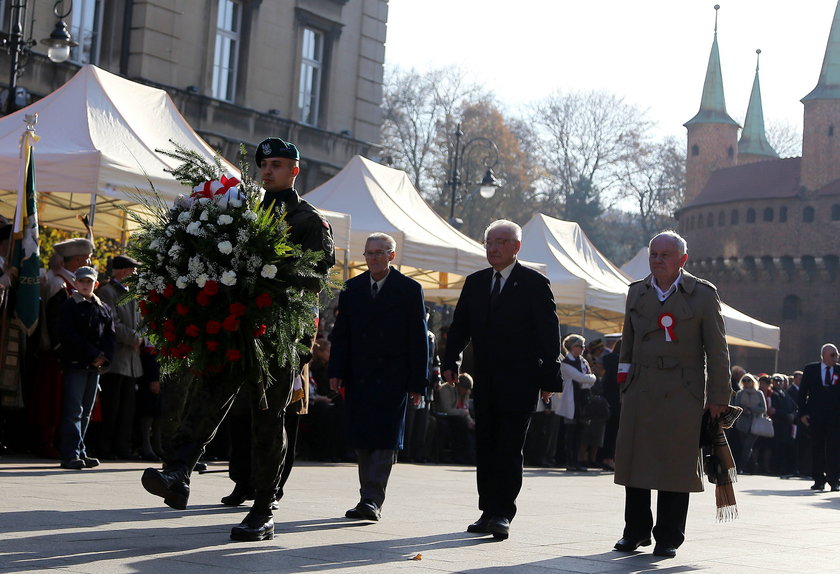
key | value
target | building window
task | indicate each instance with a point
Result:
(733, 217)
(85, 27)
(730, 152)
(808, 215)
(768, 214)
(700, 221)
(830, 131)
(721, 219)
(751, 215)
(791, 308)
(226, 56)
(695, 150)
(782, 214)
(311, 67)
(710, 220)
(835, 212)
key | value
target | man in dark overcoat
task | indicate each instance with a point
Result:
(507, 312)
(674, 364)
(379, 355)
(819, 411)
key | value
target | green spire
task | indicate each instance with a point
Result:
(753, 139)
(828, 86)
(713, 104)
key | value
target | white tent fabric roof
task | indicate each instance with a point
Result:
(581, 277)
(98, 135)
(741, 329)
(380, 198)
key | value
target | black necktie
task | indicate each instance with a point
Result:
(827, 381)
(497, 288)
(374, 289)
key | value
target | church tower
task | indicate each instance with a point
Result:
(821, 131)
(712, 133)
(753, 145)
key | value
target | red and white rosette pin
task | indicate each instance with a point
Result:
(668, 323)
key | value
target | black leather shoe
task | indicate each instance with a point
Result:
(627, 545)
(90, 462)
(369, 510)
(254, 527)
(499, 527)
(73, 464)
(664, 551)
(354, 513)
(479, 526)
(818, 486)
(237, 497)
(169, 484)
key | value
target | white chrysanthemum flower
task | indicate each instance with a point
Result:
(202, 279)
(174, 250)
(204, 216)
(269, 271)
(204, 200)
(225, 247)
(154, 245)
(183, 201)
(194, 228)
(249, 215)
(184, 217)
(195, 264)
(229, 278)
(181, 282)
(225, 219)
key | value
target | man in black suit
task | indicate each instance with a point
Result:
(379, 355)
(508, 314)
(819, 410)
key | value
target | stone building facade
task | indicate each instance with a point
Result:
(765, 230)
(309, 71)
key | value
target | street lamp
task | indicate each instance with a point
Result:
(488, 184)
(20, 48)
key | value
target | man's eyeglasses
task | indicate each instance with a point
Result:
(488, 243)
(377, 253)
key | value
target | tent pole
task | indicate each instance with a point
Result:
(346, 264)
(92, 210)
(124, 229)
(583, 319)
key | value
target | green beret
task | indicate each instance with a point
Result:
(73, 247)
(275, 147)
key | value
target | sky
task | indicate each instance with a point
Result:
(653, 54)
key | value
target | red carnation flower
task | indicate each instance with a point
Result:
(211, 288)
(203, 299)
(184, 349)
(259, 331)
(153, 325)
(170, 336)
(182, 309)
(263, 300)
(211, 345)
(153, 296)
(144, 306)
(192, 331)
(237, 309)
(168, 290)
(233, 355)
(213, 327)
(231, 323)
(169, 325)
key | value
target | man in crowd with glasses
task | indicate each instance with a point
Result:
(507, 312)
(379, 356)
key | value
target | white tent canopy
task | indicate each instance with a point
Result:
(380, 198)
(741, 329)
(588, 289)
(98, 135)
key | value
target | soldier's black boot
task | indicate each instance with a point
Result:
(173, 485)
(239, 495)
(258, 523)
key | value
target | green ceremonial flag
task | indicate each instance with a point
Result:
(27, 253)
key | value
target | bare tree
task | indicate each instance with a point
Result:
(785, 138)
(415, 105)
(585, 136)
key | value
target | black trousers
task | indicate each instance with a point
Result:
(240, 464)
(118, 398)
(374, 470)
(825, 445)
(209, 402)
(671, 513)
(499, 440)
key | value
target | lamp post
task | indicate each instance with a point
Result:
(487, 185)
(20, 48)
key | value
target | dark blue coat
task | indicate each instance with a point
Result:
(86, 331)
(379, 349)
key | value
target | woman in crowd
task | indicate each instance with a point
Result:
(577, 380)
(752, 401)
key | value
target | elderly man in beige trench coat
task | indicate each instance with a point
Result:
(674, 364)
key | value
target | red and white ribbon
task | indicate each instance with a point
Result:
(623, 370)
(215, 187)
(667, 322)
